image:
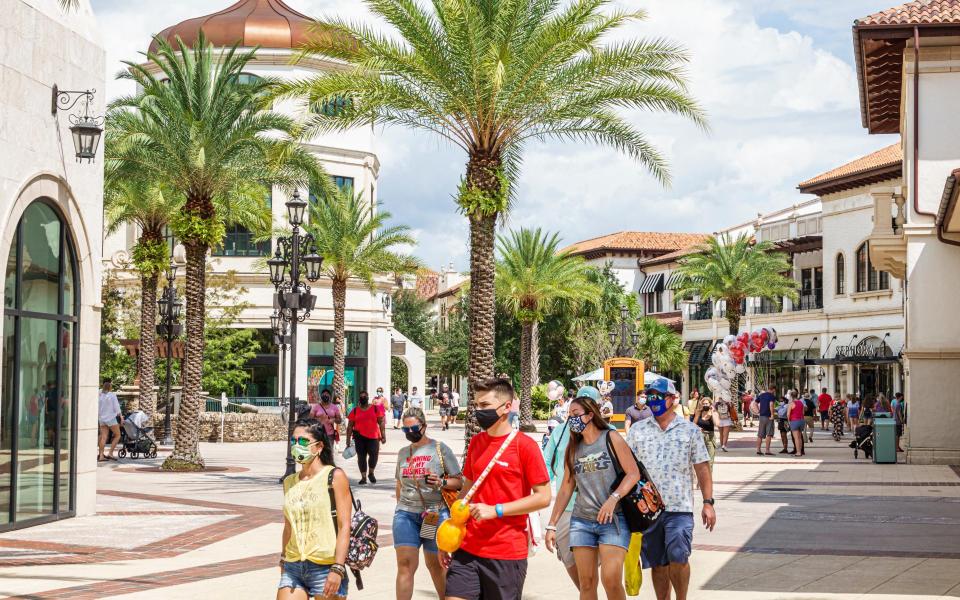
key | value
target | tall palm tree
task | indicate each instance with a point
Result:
(148, 205)
(195, 125)
(735, 269)
(489, 76)
(354, 240)
(659, 345)
(533, 279)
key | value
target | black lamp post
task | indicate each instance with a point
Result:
(169, 328)
(86, 129)
(295, 258)
(281, 337)
(627, 335)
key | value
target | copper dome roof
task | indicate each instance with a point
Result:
(265, 23)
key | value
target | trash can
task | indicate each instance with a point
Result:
(884, 441)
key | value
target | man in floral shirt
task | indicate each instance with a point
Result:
(672, 448)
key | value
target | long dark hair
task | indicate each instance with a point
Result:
(318, 432)
(589, 406)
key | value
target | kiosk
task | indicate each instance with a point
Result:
(627, 375)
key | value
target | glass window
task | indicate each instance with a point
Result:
(40, 284)
(240, 241)
(321, 343)
(248, 79)
(841, 275)
(869, 278)
(333, 107)
(10, 279)
(37, 390)
(37, 410)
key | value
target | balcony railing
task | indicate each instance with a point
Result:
(702, 312)
(214, 405)
(809, 300)
(765, 307)
(242, 243)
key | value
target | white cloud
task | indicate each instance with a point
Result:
(775, 77)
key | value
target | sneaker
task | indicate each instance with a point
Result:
(784, 451)
(373, 479)
(724, 448)
(363, 481)
(759, 453)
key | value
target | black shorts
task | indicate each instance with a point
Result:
(473, 577)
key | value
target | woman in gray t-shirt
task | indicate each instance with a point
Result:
(424, 467)
(598, 530)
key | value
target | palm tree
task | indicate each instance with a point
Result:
(733, 270)
(490, 76)
(354, 240)
(660, 346)
(533, 279)
(196, 126)
(149, 206)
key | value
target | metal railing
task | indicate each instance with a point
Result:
(242, 243)
(809, 300)
(765, 307)
(233, 404)
(702, 312)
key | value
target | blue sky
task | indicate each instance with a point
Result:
(775, 76)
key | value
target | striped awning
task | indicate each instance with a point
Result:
(676, 278)
(699, 352)
(653, 283)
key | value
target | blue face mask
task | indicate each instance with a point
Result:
(577, 424)
(657, 404)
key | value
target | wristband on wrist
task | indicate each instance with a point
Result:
(499, 509)
(550, 528)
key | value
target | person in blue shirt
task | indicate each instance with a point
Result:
(765, 402)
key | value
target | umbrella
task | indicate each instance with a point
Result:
(649, 377)
(595, 375)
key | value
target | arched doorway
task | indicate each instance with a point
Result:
(39, 376)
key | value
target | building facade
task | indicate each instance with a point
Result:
(908, 67)
(845, 331)
(51, 208)
(350, 159)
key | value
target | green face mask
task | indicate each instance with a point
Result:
(301, 454)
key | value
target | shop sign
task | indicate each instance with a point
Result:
(870, 348)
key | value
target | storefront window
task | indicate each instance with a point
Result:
(39, 372)
(320, 364)
(321, 343)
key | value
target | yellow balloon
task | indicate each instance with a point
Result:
(450, 536)
(460, 512)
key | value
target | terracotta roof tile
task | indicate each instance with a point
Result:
(918, 12)
(675, 255)
(638, 241)
(891, 156)
(427, 283)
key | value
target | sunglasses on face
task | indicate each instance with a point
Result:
(302, 441)
(414, 429)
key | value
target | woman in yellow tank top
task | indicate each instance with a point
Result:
(314, 548)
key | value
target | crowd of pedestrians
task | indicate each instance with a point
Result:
(586, 466)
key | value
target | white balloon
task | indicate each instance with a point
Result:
(729, 339)
(741, 368)
(555, 390)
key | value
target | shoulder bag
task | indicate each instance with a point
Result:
(642, 506)
(449, 496)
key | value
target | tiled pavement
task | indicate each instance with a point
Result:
(821, 527)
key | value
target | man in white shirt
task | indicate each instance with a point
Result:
(110, 419)
(415, 399)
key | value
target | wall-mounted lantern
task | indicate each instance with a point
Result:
(86, 129)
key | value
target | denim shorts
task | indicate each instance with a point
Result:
(590, 534)
(406, 530)
(797, 425)
(309, 576)
(670, 540)
(397, 413)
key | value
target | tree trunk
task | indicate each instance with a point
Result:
(148, 344)
(733, 315)
(526, 355)
(339, 340)
(483, 175)
(535, 354)
(186, 452)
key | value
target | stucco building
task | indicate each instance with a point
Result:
(351, 160)
(51, 208)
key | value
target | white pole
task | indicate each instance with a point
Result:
(223, 412)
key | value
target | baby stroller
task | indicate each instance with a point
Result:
(863, 440)
(136, 438)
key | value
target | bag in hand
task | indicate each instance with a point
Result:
(643, 505)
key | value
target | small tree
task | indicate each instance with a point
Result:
(533, 280)
(733, 270)
(661, 346)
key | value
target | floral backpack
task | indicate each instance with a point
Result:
(363, 534)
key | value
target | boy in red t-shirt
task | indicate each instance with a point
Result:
(824, 401)
(492, 561)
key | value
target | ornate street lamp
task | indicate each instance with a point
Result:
(86, 129)
(296, 256)
(169, 328)
(628, 334)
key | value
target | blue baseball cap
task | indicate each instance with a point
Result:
(662, 386)
(588, 391)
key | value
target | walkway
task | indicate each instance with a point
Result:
(825, 526)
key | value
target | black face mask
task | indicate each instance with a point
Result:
(414, 436)
(487, 417)
(364, 400)
(325, 399)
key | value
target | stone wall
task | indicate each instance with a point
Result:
(238, 427)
